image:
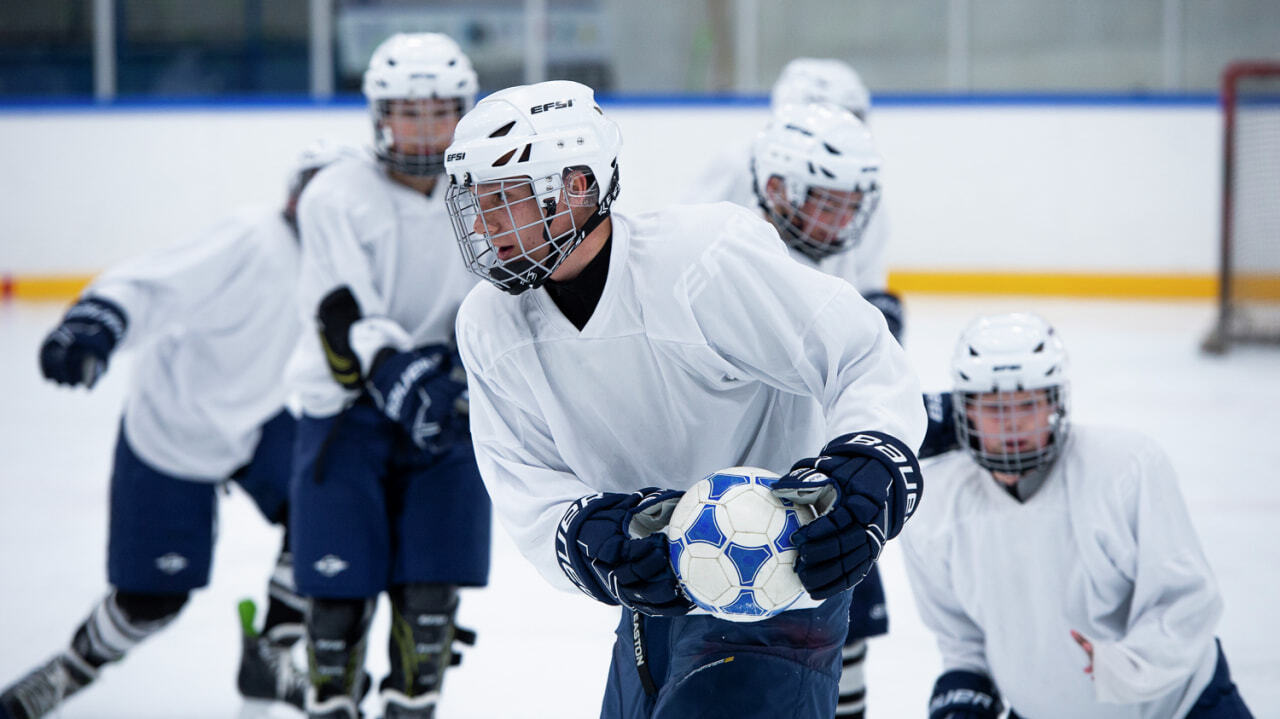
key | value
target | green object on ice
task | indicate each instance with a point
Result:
(248, 610)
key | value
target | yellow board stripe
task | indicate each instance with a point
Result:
(1186, 286)
(1263, 286)
(42, 287)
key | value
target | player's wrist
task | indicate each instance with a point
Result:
(98, 323)
(570, 554)
(608, 545)
(900, 495)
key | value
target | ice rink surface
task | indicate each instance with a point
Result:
(543, 653)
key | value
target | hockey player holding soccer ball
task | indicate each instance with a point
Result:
(613, 361)
(213, 323)
(1056, 564)
(386, 495)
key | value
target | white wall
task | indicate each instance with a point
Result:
(1123, 188)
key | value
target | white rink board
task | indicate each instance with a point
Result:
(1124, 188)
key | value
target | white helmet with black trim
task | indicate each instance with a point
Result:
(417, 66)
(816, 174)
(547, 144)
(810, 79)
(1011, 392)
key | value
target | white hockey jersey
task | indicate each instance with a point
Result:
(709, 348)
(1104, 547)
(728, 179)
(214, 322)
(393, 246)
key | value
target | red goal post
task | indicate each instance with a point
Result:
(1249, 271)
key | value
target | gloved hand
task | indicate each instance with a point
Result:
(423, 389)
(77, 350)
(610, 546)
(863, 486)
(960, 694)
(418, 390)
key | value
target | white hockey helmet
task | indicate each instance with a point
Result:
(1012, 369)
(532, 136)
(810, 79)
(823, 155)
(417, 66)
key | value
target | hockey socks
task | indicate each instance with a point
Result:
(852, 703)
(118, 623)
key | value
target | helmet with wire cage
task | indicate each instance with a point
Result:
(549, 145)
(816, 175)
(1011, 392)
(408, 68)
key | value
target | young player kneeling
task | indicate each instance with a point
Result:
(1042, 552)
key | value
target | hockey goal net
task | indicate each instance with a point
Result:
(1249, 276)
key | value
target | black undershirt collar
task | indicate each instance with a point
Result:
(577, 298)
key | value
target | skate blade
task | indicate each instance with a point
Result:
(266, 709)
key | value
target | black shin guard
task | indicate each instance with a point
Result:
(337, 636)
(423, 631)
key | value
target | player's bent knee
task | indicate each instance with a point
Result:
(780, 687)
(145, 608)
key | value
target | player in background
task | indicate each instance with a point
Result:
(613, 361)
(816, 177)
(213, 323)
(1056, 564)
(730, 178)
(386, 493)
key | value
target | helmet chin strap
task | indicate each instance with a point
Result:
(530, 275)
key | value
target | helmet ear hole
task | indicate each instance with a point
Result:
(580, 187)
(775, 190)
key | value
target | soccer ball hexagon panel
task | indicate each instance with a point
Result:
(730, 544)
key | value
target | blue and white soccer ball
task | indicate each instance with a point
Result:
(730, 545)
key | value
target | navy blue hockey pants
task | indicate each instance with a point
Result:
(369, 510)
(700, 666)
(162, 527)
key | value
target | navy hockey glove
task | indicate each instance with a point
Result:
(940, 436)
(418, 390)
(611, 547)
(961, 694)
(76, 351)
(890, 305)
(864, 486)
